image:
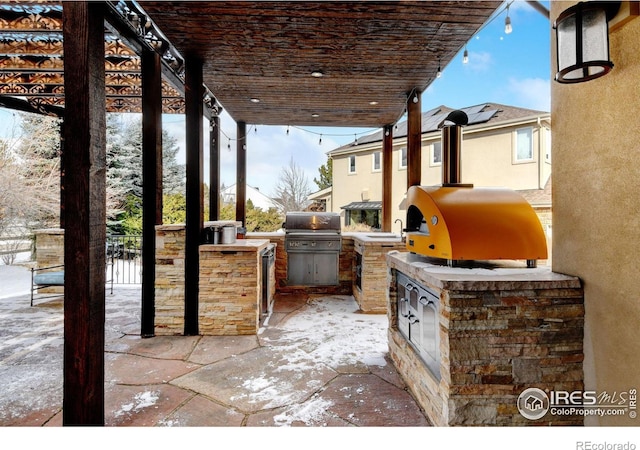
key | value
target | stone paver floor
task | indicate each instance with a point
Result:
(316, 362)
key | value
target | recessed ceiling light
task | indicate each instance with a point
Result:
(255, 100)
(317, 74)
(315, 115)
(373, 103)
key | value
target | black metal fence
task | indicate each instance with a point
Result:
(125, 255)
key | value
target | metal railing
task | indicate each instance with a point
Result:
(125, 255)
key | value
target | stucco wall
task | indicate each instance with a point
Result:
(596, 204)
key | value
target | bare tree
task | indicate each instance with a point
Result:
(29, 179)
(292, 188)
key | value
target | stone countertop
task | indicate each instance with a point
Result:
(479, 275)
(181, 226)
(374, 238)
(240, 245)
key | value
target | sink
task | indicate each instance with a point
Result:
(383, 236)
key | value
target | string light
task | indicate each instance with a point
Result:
(507, 22)
(439, 73)
(465, 56)
(320, 134)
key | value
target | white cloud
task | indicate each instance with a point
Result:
(531, 93)
(479, 61)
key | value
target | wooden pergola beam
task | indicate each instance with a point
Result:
(387, 176)
(151, 182)
(85, 214)
(414, 139)
(214, 168)
(241, 173)
(194, 92)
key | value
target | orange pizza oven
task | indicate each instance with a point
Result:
(466, 223)
(459, 222)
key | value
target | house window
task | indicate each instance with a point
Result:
(376, 160)
(524, 145)
(403, 158)
(352, 164)
(368, 217)
(436, 154)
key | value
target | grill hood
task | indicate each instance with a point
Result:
(456, 221)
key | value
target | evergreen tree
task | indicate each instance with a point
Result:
(124, 173)
(326, 175)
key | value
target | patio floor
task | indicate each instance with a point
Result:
(317, 362)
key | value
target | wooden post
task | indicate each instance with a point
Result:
(62, 164)
(194, 92)
(151, 182)
(241, 174)
(414, 139)
(214, 168)
(84, 213)
(387, 177)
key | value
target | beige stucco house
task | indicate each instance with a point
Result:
(503, 146)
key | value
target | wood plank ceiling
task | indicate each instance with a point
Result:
(372, 55)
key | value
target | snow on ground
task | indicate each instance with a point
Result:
(362, 339)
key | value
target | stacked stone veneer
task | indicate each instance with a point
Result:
(169, 287)
(501, 331)
(230, 288)
(372, 294)
(229, 285)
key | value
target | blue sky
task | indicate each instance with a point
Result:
(511, 69)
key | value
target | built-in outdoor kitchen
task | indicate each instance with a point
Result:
(240, 277)
(474, 319)
(473, 322)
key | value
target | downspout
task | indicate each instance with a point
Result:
(540, 161)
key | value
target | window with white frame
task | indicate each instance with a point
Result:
(403, 158)
(376, 162)
(436, 154)
(524, 145)
(352, 163)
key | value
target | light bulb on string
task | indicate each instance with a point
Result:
(287, 130)
(320, 141)
(465, 56)
(507, 23)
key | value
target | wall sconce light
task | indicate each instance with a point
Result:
(582, 41)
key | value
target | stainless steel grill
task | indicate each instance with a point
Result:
(313, 243)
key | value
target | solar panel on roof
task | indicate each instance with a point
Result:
(482, 117)
(432, 123)
(474, 109)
